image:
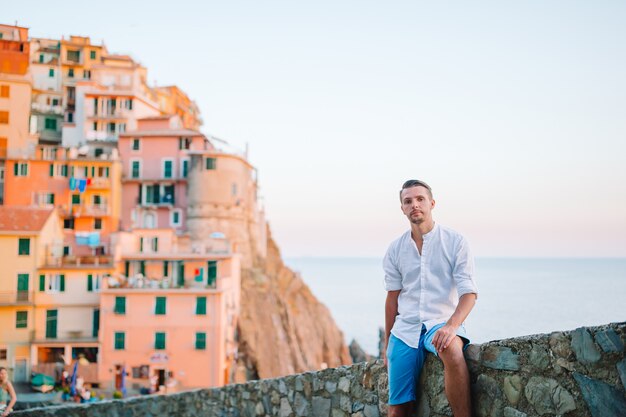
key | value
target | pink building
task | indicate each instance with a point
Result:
(156, 167)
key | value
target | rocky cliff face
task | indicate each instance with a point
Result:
(283, 328)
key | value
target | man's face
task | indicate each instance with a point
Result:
(416, 204)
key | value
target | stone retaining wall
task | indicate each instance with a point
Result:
(577, 373)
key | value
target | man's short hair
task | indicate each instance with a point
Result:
(416, 183)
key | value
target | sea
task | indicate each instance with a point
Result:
(516, 296)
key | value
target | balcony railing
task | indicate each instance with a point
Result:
(15, 297)
(71, 260)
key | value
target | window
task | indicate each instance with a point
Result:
(160, 306)
(44, 199)
(51, 72)
(111, 127)
(210, 163)
(73, 56)
(167, 168)
(184, 168)
(212, 273)
(175, 219)
(97, 224)
(4, 91)
(51, 324)
(21, 319)
(23, 246)
(3, 352)
(70, 73)
(20, 169)
(135, 169)
(75, 199)
(152, 194)
(51, 124)
(92, 54)
(4, 117)
(168, 194)
(41, 58)
(136, 144)
(22, 287)
(120, 340)
(201, 306)
(165, 269)
(129, 104)
(55, 101)
(159, 340)
(68, 223)
(66, 249)
(120, 305)
(200, 340)
(56, 283)
(155, 244)
(57, 170)
(183, 143)
(86, 74)
(96, 323)
(93, 282)
(98, 152)
(97, 199)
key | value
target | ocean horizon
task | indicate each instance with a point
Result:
(517, 296)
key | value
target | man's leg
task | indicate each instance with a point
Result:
(456, 378)
(404, 364)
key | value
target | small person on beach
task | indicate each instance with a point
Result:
(429, 278)
(7, 393)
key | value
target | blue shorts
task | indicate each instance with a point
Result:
(404, 363)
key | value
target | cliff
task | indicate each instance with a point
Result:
(283, 328)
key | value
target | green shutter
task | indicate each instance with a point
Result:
(42, 282)
(23, 246)
(64, 170)
(159, 340)
(51, 324)
(106, 172)
(212, 273)
(201, 306)
(16, 169)
(165, 268)
(142, 268)
(160, 306)
(62, 282)
(126, 268)
(200, 340)
(120, 305)
(181, 274)
(22, 282)
(96, 323)
(86, 172)
(120, 340)
(89, 282)
(52, 170)
(21, 319)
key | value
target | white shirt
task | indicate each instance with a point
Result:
(431, 283)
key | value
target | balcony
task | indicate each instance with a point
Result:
(98, 135)
(16, 298)
(47, 108)
(115, 114)
(85, 210)
(103, 261)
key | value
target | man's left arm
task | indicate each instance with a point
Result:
(463, 275)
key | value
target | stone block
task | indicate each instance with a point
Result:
(602, 399)
(609, 341)
(512, 412)
(512, 388)
(321, 407)
(488, 396)
(500, 357)
(583, 346)
(548, 397)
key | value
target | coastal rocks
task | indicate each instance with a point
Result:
(512, 388)
(583, 346)
(609, 341)
(357, 353)
(488, 395)
(548, 397)
(602, 399)
(283, 328)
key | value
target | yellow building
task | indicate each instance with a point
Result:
(24, 235)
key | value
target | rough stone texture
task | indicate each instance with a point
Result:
(283, 328)
(583, 346)
(548, 397)
(361, 390)
(357, 353)
(609, 341)
(602, 399)
(499, 357)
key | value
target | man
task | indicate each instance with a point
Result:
(429, 278)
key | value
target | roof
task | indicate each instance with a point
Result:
(23, 219)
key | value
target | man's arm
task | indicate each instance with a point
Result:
(445, 335)
(391, 311)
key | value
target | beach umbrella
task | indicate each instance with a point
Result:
(73, 380)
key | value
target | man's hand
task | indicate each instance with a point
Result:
(444, 336)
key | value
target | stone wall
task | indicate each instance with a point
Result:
(577, 373)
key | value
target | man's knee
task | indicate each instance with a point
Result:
(453, 354)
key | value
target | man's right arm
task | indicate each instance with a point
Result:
(391, 311)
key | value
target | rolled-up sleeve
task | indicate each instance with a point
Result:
(393, 278)
(463, 272)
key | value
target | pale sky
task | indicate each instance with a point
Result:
(514, 112)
